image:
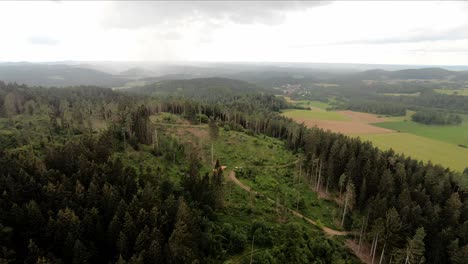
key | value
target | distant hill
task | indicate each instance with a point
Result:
(199, 88)
(56, 75)
(136, 73)
(423, 74)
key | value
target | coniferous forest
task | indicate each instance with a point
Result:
(73, 191)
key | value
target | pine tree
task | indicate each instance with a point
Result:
(142, 241)
(80, 253)
(181, 243)
(415, 248)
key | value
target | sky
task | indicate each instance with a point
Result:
(378, 32)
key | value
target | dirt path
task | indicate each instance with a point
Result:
(351, 244)
(327, 230)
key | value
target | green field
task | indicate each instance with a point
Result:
(426, 149)
(310, 103)
(319, 115)
(236, 149)
(457, 135)
(402, 94)
(463, 92)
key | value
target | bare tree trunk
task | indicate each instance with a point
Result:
(345, 207)
(375, 248)
(212, 155)
(407, 255)
(319, 177)
(363, 230)
(382, 254)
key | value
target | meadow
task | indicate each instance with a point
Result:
(402, 94)
(457, 135)
(442, 145)
(259, 162)
(422, 148)
(463, 92)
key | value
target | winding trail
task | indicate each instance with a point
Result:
(326, 230)
(351, 244)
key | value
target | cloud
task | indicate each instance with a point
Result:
(43, 40)
(148, 13)
(456, 33)
(414, 36)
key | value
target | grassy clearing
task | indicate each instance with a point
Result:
(261, 155)
(283, 184)
(463, 92)
(309, 103)
(318, 115)
(457, 135)
(236, 149)
(422, 148)
(402, 94)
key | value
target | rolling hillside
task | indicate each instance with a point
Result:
(57, 75)
(200, 87)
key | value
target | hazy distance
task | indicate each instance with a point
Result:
(362, 32)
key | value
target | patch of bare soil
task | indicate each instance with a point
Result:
(362, 117)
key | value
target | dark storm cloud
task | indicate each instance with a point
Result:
(147, 13)
(42, 40)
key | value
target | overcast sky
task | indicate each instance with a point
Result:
(379, 32)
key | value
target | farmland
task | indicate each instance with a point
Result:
(315, 114)
(422, 148)
(457, 135)
(346, 122)
(438, 144)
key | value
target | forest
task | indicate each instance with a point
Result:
(71, 194)
(436, 118)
